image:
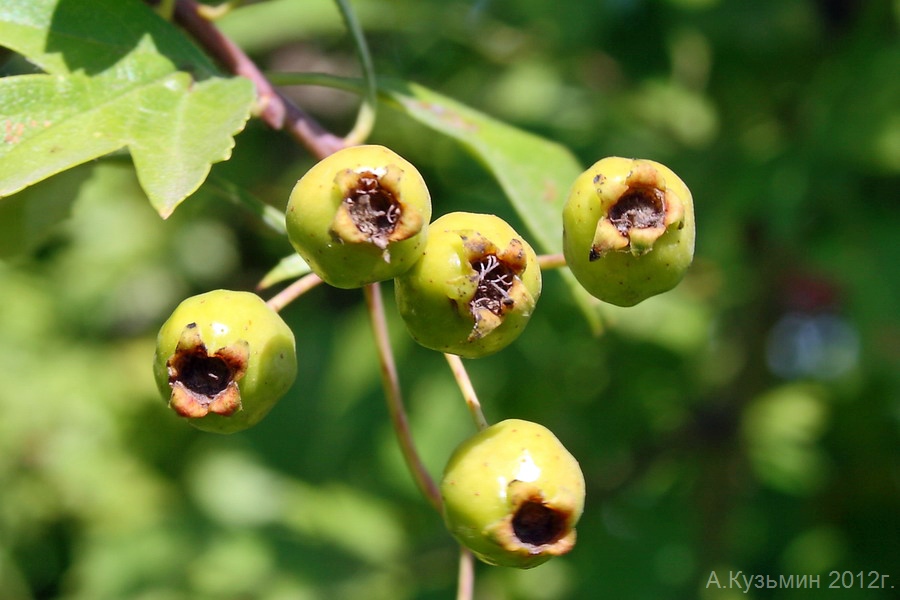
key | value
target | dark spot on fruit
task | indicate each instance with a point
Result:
(203, 375)
(537, 524)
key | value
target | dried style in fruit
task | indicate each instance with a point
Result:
(359, 216)
(474, 289)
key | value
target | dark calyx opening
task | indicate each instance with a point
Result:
(537, 524)
(495, 279)
(374, 209)
(203, 375)
(639, 208)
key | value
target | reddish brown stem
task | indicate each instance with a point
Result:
(391, 382)
(274, 109)
(293, 291)
(551, 261)
(465, 586)
(467, 389)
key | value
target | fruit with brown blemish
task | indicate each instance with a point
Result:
(474, 289)
(359, 216)
(628, 230)
(223, 359)
(513, 494)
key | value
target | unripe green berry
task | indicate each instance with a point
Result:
(359, 216)
(223, 359)
(512, 494)
(628, 230)
(473, 290)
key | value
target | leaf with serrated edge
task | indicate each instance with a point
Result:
(535, 173)
(112, 90)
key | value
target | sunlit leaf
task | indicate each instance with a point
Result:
(118, 77)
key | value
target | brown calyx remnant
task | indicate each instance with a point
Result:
(372, 210)
(498, 287)
(639, 210)
(204, 383)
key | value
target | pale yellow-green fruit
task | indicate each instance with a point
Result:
(223, 359)
(359, 216)
(513, 494)
(628, 230)
(474, 289)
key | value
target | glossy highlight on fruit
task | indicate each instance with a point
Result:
(513, 494)
(474, 289)
(223, 359)
(359, 216)
(628, 230)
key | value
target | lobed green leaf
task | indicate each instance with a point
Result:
(117, 77)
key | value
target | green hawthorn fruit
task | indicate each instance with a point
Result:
(512, 494)
(473, 290)
(628, 230)
(359, 216)
(223, 359)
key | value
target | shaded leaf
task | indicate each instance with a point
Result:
(270, 216)
(29, 218)
(289, 267)
(535, 173)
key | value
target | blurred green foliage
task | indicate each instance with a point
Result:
(747, 421)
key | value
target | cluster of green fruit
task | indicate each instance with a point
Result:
(465, 284)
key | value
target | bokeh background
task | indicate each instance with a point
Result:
(747, 422)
